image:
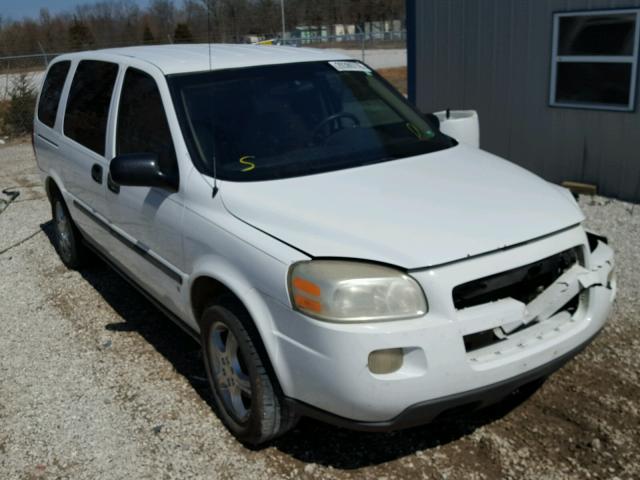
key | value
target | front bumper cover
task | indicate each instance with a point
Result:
(323, 366)
(425, 412)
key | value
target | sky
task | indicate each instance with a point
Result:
(18, 9)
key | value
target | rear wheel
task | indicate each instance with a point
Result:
(66, 237)
(245, 396)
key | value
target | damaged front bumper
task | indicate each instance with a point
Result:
(587, 284)
(330, 379)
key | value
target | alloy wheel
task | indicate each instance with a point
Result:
(230, 372)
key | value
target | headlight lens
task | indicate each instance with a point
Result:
(347, 291)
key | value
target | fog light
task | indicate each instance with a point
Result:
(385, 361)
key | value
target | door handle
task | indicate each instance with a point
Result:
(96, 173)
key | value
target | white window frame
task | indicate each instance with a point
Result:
(628, 59)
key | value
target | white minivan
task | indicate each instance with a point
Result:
(334, 252)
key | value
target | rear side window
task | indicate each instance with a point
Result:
(142, 122)
(51, 91)
(85, 120)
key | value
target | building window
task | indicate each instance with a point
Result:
(595, 59)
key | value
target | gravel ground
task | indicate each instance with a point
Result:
(95, 383)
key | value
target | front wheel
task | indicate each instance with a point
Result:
(245, 396)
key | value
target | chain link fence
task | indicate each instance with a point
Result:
(22, 75)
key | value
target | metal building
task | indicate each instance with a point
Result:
(555, 82)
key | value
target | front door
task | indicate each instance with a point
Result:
(147, 221)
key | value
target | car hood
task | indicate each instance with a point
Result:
(414, 212)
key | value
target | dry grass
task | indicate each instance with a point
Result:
(396, 77)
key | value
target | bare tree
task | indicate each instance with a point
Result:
(182, 34)
(163, 13)
(268, 11)
(147, 35)
(80, 37)
(107, 23)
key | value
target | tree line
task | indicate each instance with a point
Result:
(123, 22)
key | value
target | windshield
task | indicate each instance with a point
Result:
(271, 122)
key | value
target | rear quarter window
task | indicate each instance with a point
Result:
(85, 119)
(51, 92)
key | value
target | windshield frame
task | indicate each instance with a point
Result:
(175, 82)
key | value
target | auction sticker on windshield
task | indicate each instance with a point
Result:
(350, 66)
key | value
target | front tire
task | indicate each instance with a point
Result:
(245, 397)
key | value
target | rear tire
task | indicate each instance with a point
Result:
(66, 236)
(245, 396)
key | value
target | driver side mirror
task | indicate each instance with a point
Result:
(141, 170)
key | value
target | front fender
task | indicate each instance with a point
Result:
(232, 277)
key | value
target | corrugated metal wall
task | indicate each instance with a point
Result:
(495, 56)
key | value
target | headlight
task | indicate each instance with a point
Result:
(347, 291)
